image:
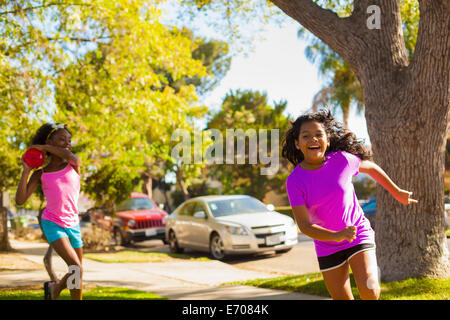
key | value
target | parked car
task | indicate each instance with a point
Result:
(223, 225)
(136, 219)
(369, 209)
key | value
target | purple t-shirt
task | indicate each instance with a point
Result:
(330, 198)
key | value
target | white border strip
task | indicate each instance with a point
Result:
(366, 249)
(348, 259)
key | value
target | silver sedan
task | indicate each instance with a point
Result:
(223, 225)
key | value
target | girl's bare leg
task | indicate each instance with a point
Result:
(64, 249)
(338, 283)
(79, 252)
(365, 272)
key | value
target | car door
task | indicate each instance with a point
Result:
(199, 229)
(183, 223)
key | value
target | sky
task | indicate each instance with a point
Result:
(277, 65)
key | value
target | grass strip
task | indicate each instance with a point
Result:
(137, 256)
(97, 293)
(312, 283)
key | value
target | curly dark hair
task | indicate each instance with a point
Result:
(340, 138)
(45, 132)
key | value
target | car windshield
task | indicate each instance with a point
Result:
(229, 207)
(136, 204)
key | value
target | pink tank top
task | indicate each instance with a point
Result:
(61, 190)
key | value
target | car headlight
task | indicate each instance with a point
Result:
(131, 223)
(239, 231)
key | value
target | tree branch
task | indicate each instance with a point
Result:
(350, 37)
(323, 23)
(432, 51)
(77, 39)
(20, 10)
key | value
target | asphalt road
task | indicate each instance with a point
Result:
(301, 259)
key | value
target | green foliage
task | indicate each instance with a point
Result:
(108, 70)
(140, 257)
(97, 293)
(195, 190)
(214, 56)
(312, 283)
(111, 184)
(248, 110)
(18, 100)
(365, 188)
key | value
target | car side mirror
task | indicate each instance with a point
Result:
(200, 214)
(161, 206)
(270, 207)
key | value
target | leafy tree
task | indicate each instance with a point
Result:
(122, 104)
(214, 56)
(246, 109)
(95, 65)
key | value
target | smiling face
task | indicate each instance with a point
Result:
(312, 142)
(61, 138)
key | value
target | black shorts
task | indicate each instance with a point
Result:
(337, 259)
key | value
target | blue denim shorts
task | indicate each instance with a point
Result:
(54, 232)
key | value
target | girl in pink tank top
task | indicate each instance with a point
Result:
(60, 180)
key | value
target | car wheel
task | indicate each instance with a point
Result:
(173, 243)
(118, 238)
(216, 247)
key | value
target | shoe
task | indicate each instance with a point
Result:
(47, 292)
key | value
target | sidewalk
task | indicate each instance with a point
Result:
(186, 280)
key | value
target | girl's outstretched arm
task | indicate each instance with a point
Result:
(378, 174)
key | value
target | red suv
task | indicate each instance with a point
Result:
(136, 219)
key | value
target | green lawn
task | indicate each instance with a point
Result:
(137, 256)
(411, 289)
(98, 293)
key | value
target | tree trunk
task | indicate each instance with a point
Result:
(411, 240)
(180, 181)
(4, 240)
(345, 114)
(407, 114)
(147, 188)
(168, 206)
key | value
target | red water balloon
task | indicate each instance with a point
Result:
(34, 158)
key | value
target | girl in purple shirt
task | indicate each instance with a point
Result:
(325, 207)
